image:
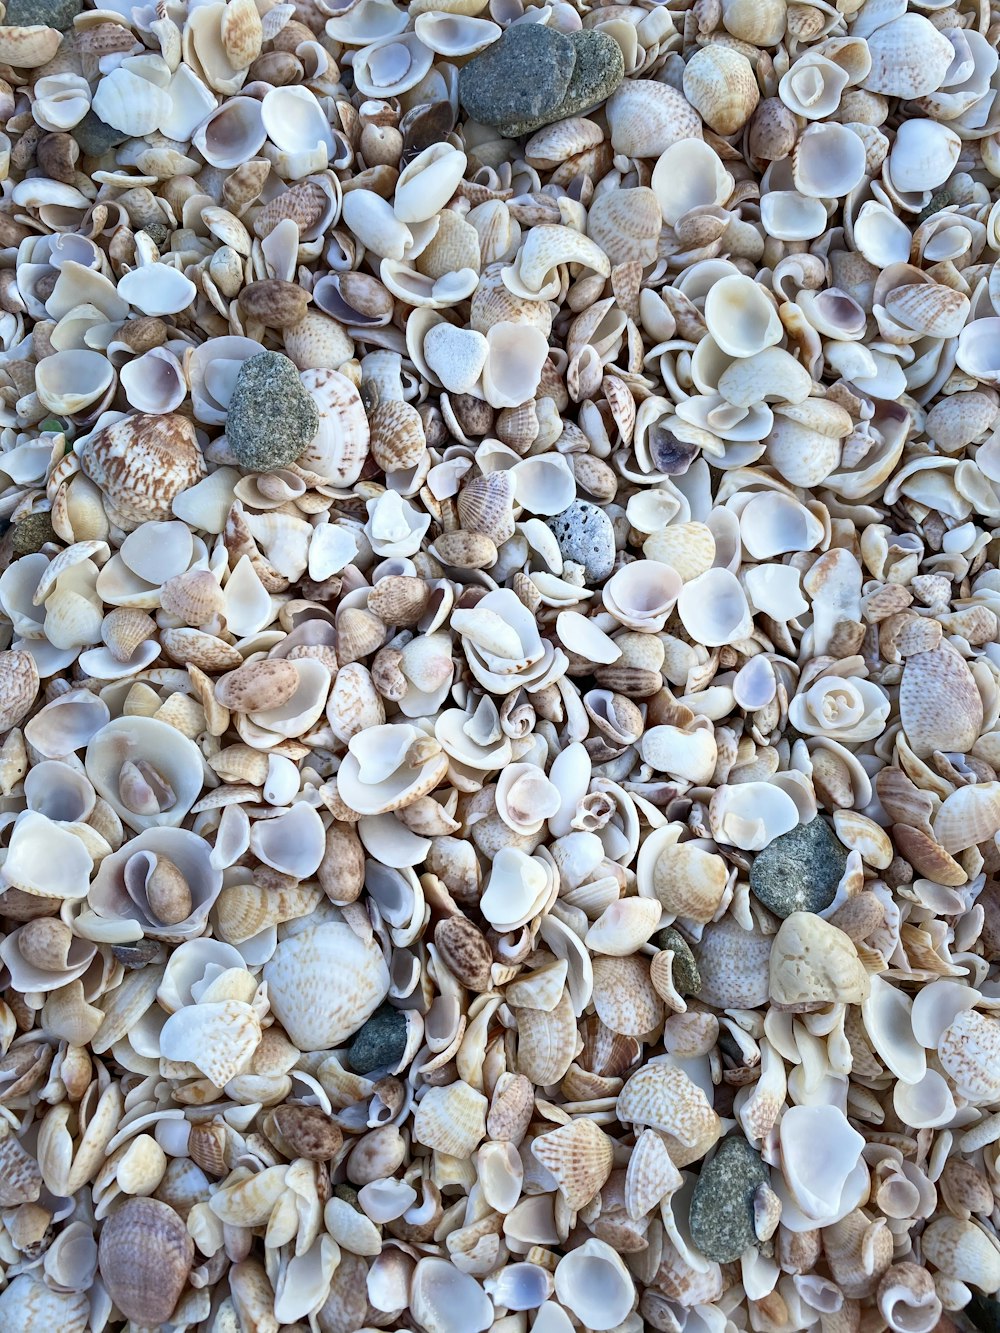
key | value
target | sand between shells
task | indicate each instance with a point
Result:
(500, 683)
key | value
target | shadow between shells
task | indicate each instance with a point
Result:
(500, 691)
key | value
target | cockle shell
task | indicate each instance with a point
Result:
(662, 1097)
(323, 983)
(142, 463)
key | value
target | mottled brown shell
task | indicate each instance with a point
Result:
(141, 463)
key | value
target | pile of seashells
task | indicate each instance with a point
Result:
(500, 681)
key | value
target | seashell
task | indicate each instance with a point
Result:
(624, 996)
(819, 1150)
(713, 608)
(662, 1097)
(28, 47)
(451, 1119)
(323, 983)
(689, 174)
(906, 1298)
(909, 57)
(146, 770)
(142, 463)
(547, 1042)
(593, 1282)
(962, 1251)
(940, 707)
(392, 65)
(71, 381)
(217, 1038)
(456, 356)
(338, 451)
(28, 1305)
(145, 1256)
(685, 879)
(740, 316)
(447, 1300)
(232, 134)
(812, 962)
(579, 1156)
(626, 224)
(646, 118)
(720, 84)
(18, 687)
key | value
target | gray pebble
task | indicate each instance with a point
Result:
(57, 14)
(686, 977)
(271, 415)
(586, 536)
(518, 80)
(721, 1216)
(95, 137)
(800, 871)
(380, 1043)
(599, 69)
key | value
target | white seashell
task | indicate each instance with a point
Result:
(154, 382)
(293, 843)
(364, 21)
(374, 221)
(217, 1038)
(392, 65)
(190, 103)
(923, 156)
(751, 814)
(828, 161)
(741, 317)
(819, 1150)
(60, 101)
(323, 983)
(455, 34)
(46, 860)
(513, 365)
(148, 771)
(427, 182)
(130, 103)
(338, 451)
(689, 174)
(443, 1299)
(713, 608)
(232, 134)
(909, 57)
(812, 86)
(69, 382)
(517, 889)
(595, 1285)
(789, 216)
(543, 484)
(294, 122)
(157, 289)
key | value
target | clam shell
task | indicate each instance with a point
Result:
(579, 1156)
(323, 984)
(662, 1097)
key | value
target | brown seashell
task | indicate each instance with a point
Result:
(258, 686)
(20, 1178)
(145, 1256)
(308, 1131)
(927, 856)
(194, 597)
(359, 634)
(579, 1156)
(141, 463)
(18, 687)
(124, 629)
(624, 995)
(29, 47)
(939, 705)
(465, 550)
(397, 436)
(399, 600)
(485, 504)
(661, 1097)
(242, 33)
(207, 652)
(341, 873)
(511, 1109)
(547, 1042)
(466, 952)
(274, 303)
(243, 187)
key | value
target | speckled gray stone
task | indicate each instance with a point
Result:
(57, 14)
(586, 536)
(686, 977)
(598, 69)
(799, 871)
(518, 80)
(380, 1043)
(721, 1216)
(271, 416)
(95, 137)
(32, 532)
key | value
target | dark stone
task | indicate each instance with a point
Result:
(686, 977)
(800, 871)
(95, 137)
(721, 1216)
(984, 1312)
(517, 81)
(599, 69)
(271, 415)
(380, 1043)
(586, 536)
(58, 14)
(32, 532)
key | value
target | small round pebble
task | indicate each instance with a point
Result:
(95, 137)
(271, 416)
(800, 871)
(586, 536)
(58, 14)
(721, 1217)
(686, 977)
(380, 1043)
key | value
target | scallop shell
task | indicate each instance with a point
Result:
(579, 1156)
(338, 451)
(939, 705)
